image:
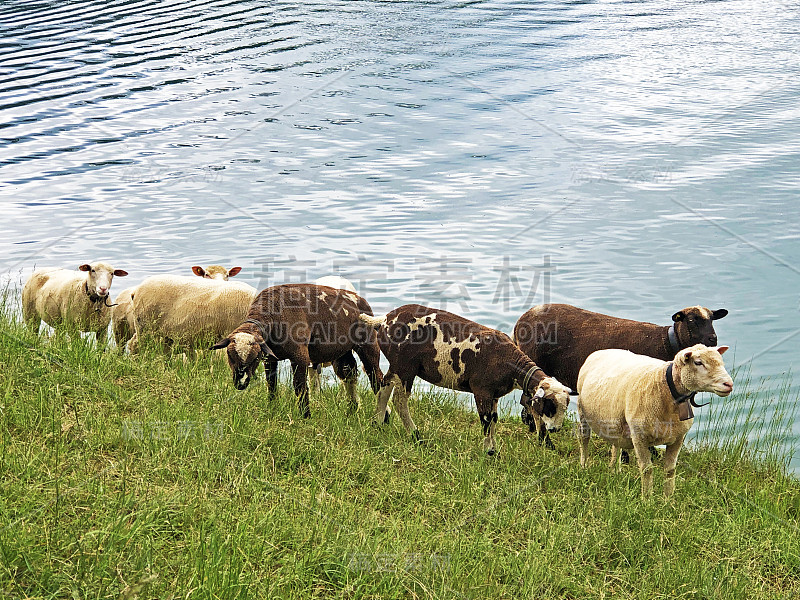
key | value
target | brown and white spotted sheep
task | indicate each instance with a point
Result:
(559, 337)
(452, 352)
(305, 324)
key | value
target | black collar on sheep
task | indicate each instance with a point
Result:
(684, 401)
(95, 299)
(673, 339)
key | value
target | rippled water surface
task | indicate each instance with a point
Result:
(628, 157)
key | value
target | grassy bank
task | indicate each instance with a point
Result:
(151, 477)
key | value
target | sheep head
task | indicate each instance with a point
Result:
(245, 351)
(216, 272)
(701, 369)
(550, 401)
(694, 325)
(99, 276)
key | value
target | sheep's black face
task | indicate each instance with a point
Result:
(697, 325)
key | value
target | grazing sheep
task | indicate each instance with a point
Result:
(305, 324)
(636, 401)
(216, 272)
(76, 300)
(559, 337)
(455, 353)
(122, 318)
(187, 312)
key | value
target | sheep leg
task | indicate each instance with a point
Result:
(487, 411)
(401, 396)
(383, 401)
(271, 371)
(346, 369)
(300, 383)
(371, 357)
(315, 379)
(616, 458)
(645, 466)
(670, 460)
(584, 432)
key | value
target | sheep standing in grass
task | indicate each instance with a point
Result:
(187, 312)
(559, 337)
(75, 300)
(455, 353)
(635, 401)
(122, 317)
(306, 324)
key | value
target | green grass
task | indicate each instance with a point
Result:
(151, 477)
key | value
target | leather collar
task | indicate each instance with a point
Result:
(685, 402)
(673, 339)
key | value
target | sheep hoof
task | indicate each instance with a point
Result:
(624, 458)
(491, 452)
(416, 436)
(548, 443)
(387, 418)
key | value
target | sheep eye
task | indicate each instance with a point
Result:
(699, 363)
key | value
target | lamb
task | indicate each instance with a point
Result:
(305, 324)
(122, 319)
(636, 401)
(76, 300)
(559, 337)
(187, 312)
(453, 352)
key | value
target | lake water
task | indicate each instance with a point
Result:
(627, 157)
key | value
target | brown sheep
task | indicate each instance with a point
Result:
(559, 337)
(306, 324)
(453, 352)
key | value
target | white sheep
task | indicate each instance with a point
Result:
(122, 320)
(337, 282)
(75, 300)
(635, 401)
(187, 312)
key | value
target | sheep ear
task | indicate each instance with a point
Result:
(678, 316)
(223, 343)
(687, 357)
(234, 271)
(84, 267)
(199, 271)
(718, 314)
(723, 349)
(267, 350)
(120, 273)
(539, 393)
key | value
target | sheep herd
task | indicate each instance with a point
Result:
(635, 381)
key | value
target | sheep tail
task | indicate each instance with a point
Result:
(375, 322)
